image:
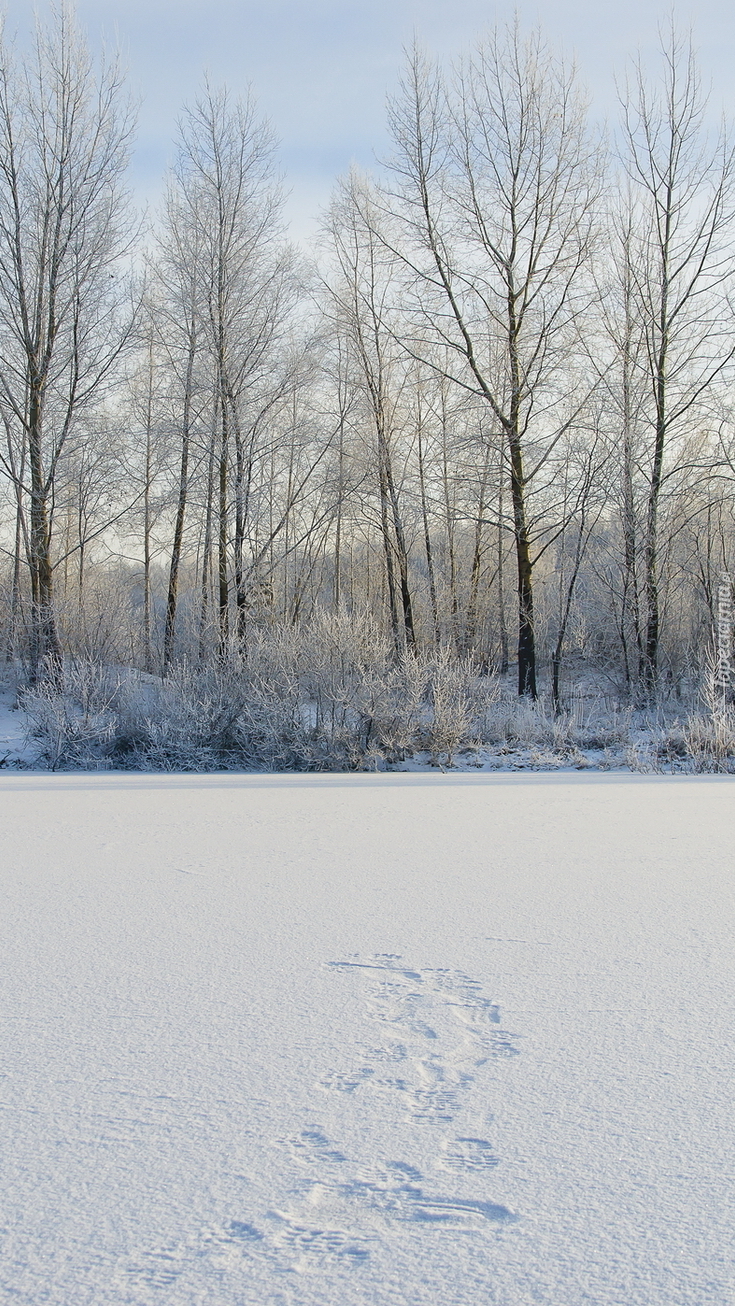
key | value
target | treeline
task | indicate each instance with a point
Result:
(491, 409)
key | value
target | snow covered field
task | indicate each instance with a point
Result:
(393, 1040)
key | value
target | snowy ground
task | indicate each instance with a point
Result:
(394, 1040)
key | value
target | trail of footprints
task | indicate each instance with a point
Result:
(438, 1031)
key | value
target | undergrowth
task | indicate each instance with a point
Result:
(333, 697)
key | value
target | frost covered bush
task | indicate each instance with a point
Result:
(520, 723)
(330, 696)
(430, 701)
(709, 735)
(710, 742)
(461, 702)
(343, 701)
(186, 722)
(74, 723)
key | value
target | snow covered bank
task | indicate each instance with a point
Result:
(367, 1040)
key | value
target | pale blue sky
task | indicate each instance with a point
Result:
(321, 69)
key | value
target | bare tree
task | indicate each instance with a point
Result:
(681, 267)
(496, 184)
(360, 295)
(229, 198)
(180, 318)
(617, 353)
(64, 137)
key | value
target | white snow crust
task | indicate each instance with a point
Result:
(390, 1040)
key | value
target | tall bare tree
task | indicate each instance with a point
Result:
(360, 295)
(229, 196)
(64, 137)
(180, 316)
(495, 184)
(681, 266)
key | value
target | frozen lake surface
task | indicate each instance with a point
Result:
(394, 1040)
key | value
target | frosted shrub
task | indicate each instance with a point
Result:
(709, 735)
(461, 700)
(272, 729)
(328, 696)
(327, 659)
(389, 702)
(75, 723)
(521, 723)
(710, 741)
(643, 757)
(187, 722)
(356, 698)
(388, 708)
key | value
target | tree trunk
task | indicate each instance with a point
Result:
(147, 517)
(207, 549)
(427, 538)
(401, 550)
(653, 622)
(46, 657)
(449, 517)
(222, 578)
(15, 596)
(526, 636)
(173, 575)
(389, 568)
(501, 582)
(470, 634)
